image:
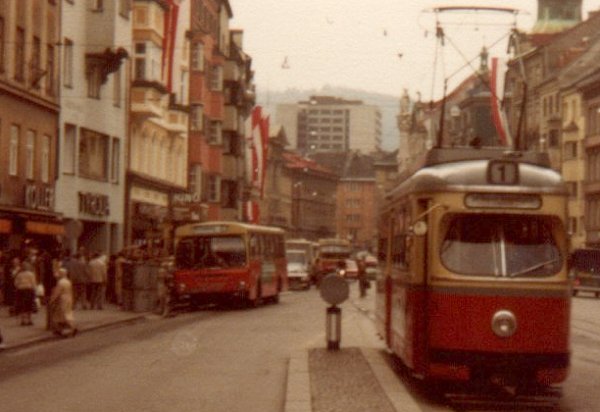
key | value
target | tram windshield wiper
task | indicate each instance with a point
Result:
(532, 268)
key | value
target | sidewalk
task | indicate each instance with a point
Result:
(356, 378)
(16, 336)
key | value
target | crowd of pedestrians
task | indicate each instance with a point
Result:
(35, 276)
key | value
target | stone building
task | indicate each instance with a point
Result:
(29, 122)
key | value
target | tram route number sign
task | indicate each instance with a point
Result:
(503, 173)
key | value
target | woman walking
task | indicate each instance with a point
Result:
(25, 285)
(61, 305)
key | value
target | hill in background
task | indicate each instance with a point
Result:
(388, 104)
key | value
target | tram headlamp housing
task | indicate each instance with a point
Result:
(504, 323)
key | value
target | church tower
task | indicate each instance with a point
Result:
(557, 15)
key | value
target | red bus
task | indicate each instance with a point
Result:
(475, 284)
(229, 260)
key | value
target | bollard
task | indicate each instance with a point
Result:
(334, 290)
(334, 327)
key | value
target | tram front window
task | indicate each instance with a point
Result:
(501, 245)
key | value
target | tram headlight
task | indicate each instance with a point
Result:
(504, 323)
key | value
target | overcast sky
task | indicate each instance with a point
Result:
(355, 43)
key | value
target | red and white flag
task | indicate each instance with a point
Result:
(497, 81)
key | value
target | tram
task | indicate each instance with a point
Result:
(475, 282)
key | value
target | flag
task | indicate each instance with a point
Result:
(497, 79)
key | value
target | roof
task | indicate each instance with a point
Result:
(348, 165)
(295, 161)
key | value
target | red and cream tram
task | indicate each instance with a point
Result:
(475, 286)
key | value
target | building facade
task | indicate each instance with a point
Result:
(29, 123)
(158, 146)
(95, 73)
(331, 124)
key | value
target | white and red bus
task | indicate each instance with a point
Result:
(229, 260)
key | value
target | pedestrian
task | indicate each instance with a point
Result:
(78, 273)
(61, 305)
(11, 274)
(363, 282)
(97, 280)
(25, 285)
(120, 263)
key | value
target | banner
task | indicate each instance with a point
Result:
(497, 80)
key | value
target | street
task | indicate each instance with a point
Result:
(221, 359)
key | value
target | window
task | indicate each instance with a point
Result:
(94, 82)
(140, 61)
(2, 40)
(573, 225)
(500, 246)
(19, 54)
(196, 117)
(198, 56)
(13, 155)
(45, 164)
(115, 160)
(214, 188)
(50, 70)
(553, 138)
(117, 88)
(68, 63)
(216, 78)
(34, 66)
(68, 152)
(215, 133)
(93, 155)
(29, 154)
(570, 150)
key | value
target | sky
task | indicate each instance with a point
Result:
(382, 46)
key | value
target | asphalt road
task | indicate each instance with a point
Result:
(209, 360)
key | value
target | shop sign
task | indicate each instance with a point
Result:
(93, 204)
(154, 212)
(39, 197)
(186, 198)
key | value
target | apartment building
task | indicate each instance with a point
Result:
(29, 122)
(158, 146)
(331, 124)
(96, 42)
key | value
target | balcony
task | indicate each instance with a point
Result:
(148, 99)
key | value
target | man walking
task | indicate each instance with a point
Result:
(79, 275)
(98, 277)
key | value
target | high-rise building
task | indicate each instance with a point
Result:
(331, 124)
(557, 15)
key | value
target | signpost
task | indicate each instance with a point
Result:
(334, 290)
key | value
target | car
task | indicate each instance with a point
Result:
(585, 271)
(298, 275)
(351, 270)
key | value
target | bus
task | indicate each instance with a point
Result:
(331, 252)
(475, 283)
(217, 261)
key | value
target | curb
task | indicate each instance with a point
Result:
(297, 397)
(50, 337)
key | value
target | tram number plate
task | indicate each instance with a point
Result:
(503, 173)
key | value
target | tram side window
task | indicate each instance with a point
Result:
(399, 250)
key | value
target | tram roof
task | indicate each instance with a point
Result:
(467, 170)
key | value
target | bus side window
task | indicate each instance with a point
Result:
(185, 253)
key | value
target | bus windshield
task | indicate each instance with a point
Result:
(501, 245)
(210, 252)
(296, 256)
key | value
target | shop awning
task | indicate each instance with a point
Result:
(5, 226)
(43, 228)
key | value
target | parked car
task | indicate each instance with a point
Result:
(585, 271)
